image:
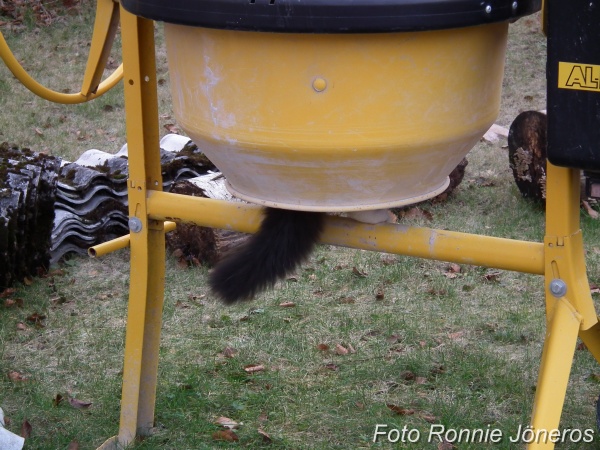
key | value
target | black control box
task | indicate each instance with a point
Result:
(573, 75)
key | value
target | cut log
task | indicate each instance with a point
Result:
(527, 153)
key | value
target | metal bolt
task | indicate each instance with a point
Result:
(558, 288)
(488, 9)
(515, 5)
(135, 225)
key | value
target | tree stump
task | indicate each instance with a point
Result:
(527, 144)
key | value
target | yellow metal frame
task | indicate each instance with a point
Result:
(560, 258)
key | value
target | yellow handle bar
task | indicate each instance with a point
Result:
(105, 26)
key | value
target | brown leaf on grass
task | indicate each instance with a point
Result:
(172, 128)
(11, 302)
(228, 423)
(492, 276)
(347, 300)
(225, 435)
(13, 375)
(359, 273)
(388, 260)
(293, 278)
(341, 350)
(287, 304)
(379, 295)
(416, 213)
(79, 404)
(323, 347)
(265, 437)
(332, 366)
(581, 346)
(58, 300)
(453, 267)
(456, 335)
(445, 445)
(36, 319)
(57, 400)
(420, 380)
(26, 429)
(7, 292)
(399, 410)
(254, 368)
(21, 326)
(594, 288)
(73, 445)
(427, 417)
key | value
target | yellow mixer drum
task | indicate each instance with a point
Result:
(327, 105)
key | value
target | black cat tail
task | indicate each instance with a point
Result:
(284, 240)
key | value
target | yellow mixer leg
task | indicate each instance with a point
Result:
(147, 240)
(569, 307)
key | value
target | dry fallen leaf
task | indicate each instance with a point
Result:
(492, 275)
(226, 422)
(456, 335)
(36, 319)
(454, 268)
(21, 326)
(359, 273)
(287, 304)
(323, 347)
(445, 445)
(10, 302)
(416, 213)
(225, 435)
(253, 368)
(400, 411)
(332, 366)
(13, 375)
(341, 350)
(427, 417)
(266, 438)
(26, 429)
(7, 292)
(347, 300)
(79, 404)
(172, 128)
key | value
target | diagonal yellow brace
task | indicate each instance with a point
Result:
(105, 29)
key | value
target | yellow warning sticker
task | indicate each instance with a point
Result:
(583, 77)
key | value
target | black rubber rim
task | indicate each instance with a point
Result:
(331, 16)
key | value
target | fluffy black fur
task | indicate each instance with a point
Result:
(283, 241)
